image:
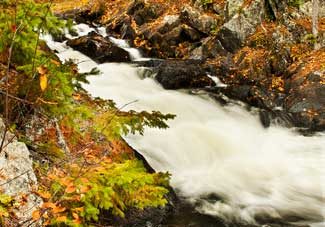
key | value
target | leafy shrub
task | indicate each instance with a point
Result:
(77, 198)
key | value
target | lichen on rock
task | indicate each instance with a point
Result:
(18, 178)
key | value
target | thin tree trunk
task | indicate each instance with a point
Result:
(315, 23)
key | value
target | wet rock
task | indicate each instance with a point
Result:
(180, 34)
(176, 74)
(233, 33)
(306, 100)
(210, 48)
(81, 15)
(99, 48)
(115, 24)
(197, 20)
(127, 31)
(18, 178)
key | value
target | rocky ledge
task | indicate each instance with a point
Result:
(263, 50)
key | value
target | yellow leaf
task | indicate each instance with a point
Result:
(79, 209)
(43, 81)
(36, 215)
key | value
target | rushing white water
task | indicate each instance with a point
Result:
(211, 149)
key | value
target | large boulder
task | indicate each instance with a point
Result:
(233, 33)
(202, 22)
(143, 12)
(18, 178)
(210, 47)
(98, 48)
(306, 91)
(177, 74)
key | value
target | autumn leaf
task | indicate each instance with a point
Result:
(79, 209)
(84, 189)
(70, 188)
(43, 82)
(61, 219)
(36, 215)
(76, 218)
(58, 209)
(43, 78)
(65, 181)
(42, 70)
(44, 195)
(49, 205)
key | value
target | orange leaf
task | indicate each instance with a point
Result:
(44, 195)
(36, 215)
(51, 176)
(70, 189)
(84, 189)
(43, 81)
(49, 205)
(84, 180)
(79, 209)
(76, 97)
(65, 181)
(61, 219)
(42, 70)
(76, 218)
(58, 209)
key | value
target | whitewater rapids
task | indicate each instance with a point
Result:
(217, 150)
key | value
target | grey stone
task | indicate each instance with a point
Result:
(17, 177)
(233, 33)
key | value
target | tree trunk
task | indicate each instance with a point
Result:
(315, 23)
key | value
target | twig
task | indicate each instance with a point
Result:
(115, 113)
(8, 181)
(61, 139)
(15, 97)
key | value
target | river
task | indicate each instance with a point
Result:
(221, 158)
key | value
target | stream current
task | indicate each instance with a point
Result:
(220, 157)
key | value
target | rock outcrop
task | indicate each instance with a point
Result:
(18, 178)
(252, 46)
(99, 48)
(183, 74)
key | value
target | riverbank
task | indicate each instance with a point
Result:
(262, 50)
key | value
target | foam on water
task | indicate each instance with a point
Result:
(212, 149)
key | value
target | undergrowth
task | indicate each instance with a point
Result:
(87, 167)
